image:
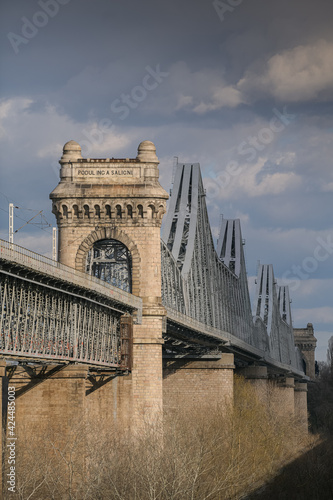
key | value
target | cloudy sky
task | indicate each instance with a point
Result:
(243, 87)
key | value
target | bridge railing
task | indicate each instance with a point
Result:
(20, 255)
(231, 342)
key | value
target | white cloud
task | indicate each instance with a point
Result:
(184, 101)
(311, 288)
(43, 132)
(224, 96)
(299, 74)
(245, 180)
(9, 108)
(39, 242)
(317, 315)
(200, 91)
(287, 158)
(51, 150)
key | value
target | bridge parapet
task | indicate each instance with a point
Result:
(17, 255)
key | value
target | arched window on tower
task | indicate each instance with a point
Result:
(76, 211)
(118, 211)
(65, 211)
(108, 211)
(140, 211)
(151, 212)
(86, 211)
(111, 261)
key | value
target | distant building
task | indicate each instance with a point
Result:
(306, 342)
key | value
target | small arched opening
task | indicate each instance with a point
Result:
(108, 211)
(97, 211)
(118, 212)
(86, 211)
(65, 211)
(151, 214)
(76, 211)
(140, 211)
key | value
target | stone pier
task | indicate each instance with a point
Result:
(258, 377)
(196, 383)
(301, 405)
(281, 397)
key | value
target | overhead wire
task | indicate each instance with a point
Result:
(38, 224)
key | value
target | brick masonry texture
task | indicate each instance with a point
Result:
(194, 383)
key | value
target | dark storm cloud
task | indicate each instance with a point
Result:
(98, 50)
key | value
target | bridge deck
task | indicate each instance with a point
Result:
(178, 324)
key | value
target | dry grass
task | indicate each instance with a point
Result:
(212, 453)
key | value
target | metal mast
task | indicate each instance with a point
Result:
(11, 223)
(54, 244)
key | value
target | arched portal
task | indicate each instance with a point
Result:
(111, 261)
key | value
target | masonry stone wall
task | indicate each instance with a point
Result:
(192, 384)
(49, 419)
(258, 378)
(301, 405)
(281, 398)
(108, 402)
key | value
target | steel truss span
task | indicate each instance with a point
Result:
(211, 285)
(37, 322)
(51, 312)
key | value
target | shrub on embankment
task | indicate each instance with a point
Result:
(210, 453)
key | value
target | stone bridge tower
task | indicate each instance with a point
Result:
(306, 342)
(109, 213)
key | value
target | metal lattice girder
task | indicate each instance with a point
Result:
(287, 340)
(213, 294)
(26, 262)
(284, 304)
(211, 286)
(38, 322)
(229, 247)
(265, 295)
(272, 305)
(173, 286)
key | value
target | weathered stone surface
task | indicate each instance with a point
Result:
(196, 384)
(306, 342)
